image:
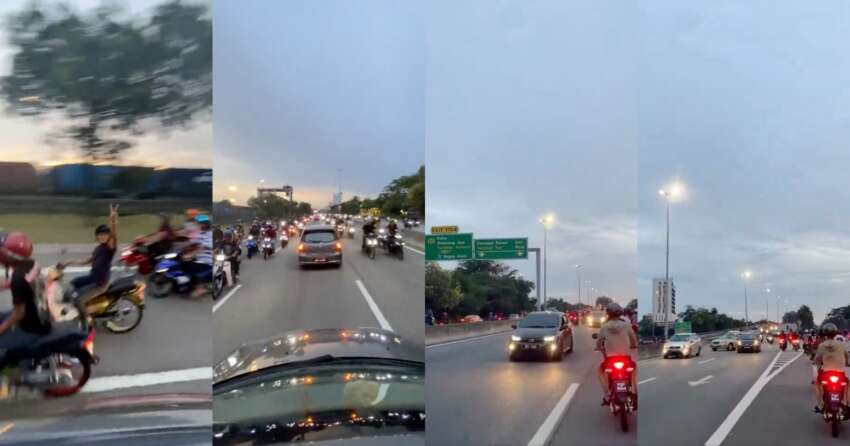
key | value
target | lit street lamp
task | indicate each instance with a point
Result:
(671, 193)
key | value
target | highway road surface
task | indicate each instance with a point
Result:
(477, 397)
(276, 295)
(728, 398)
(169, 352)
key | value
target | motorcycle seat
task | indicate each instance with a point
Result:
(122, 285)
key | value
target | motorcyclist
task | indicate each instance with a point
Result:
(392, 227)
(159, 242)
(368, 229)
(217, 236)
(255, 230)
(97, 281)
(199, 257)
(229, 246)
(830, 356)
(616, 338)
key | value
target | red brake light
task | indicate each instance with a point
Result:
(619, 365)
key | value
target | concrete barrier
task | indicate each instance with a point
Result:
(435, 334)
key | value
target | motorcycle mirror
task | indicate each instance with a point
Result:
(595, 336)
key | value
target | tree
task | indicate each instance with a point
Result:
(276, 207)
(807, 319)
(791, 317)
(440, 292)
(351, 207)
(112, 77)
(603, 301)
(632, 305)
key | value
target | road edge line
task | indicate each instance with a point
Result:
(422, 253)
(373, 306)
(544, 433)
(119, 382)
(647, 380)
(469, 339)
(731, 420)
(227, 296)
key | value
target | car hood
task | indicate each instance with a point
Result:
(302, 346)
(677, 344)
(526, 333)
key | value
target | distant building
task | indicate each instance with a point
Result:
(663, 301)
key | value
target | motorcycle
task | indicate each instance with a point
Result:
(351, 232)
(340, 229)
(622, 401)
(268, 248)
(284, 240)
(783, 344)
(370, 244)
(169, 276)
(834, 410)
(251, 248)
(136, 255)
(57, 364)
(796, 344)
(222, 275)
(770, 339)
(120, 308)
(393, 244)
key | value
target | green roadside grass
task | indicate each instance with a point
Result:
(75, 228)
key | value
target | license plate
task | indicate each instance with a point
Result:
(621, 387)
(835, 397)
(321, 259)
(529, 347)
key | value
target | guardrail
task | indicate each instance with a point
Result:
(435, 334)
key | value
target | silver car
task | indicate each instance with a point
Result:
(320, 245)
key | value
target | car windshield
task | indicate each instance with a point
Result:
(748, 336)
(319, 236)
(540, 321)
(342, 399)
(679, 338)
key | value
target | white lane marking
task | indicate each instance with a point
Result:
(226, 296)
(707, 360)
(107, 383)
(373, 306)
(82, 269)
(415, 250)
(700, 381)
(382, 393)
(723, 430)
(544, 433)
(647, 380)
(474, 338)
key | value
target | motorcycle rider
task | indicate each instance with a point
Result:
(230, 248)
(392, 227)
(159, 242)
(615, 338)
(199, 258)
(831, 356)
(97, 281)
(368, 229)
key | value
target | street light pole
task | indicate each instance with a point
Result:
(545, 255)
(746, 276)
(671, 192)
(578, 280)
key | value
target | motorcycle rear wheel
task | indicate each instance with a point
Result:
(137, 319)
(835, 426)
(83, 359)
(624, 420)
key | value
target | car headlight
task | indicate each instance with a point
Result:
(756, 342)
(548, 339)
(515, 338)
(665, 348)
(739, 342)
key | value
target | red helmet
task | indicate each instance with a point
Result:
(14, 247)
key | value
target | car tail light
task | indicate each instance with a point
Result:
(301, 247)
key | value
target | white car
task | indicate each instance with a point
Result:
(682, 345)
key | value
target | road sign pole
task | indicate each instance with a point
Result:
(536, 252)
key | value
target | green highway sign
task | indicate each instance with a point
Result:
(448, 247)
(682, 327)
(501, 248)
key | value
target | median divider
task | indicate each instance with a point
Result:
(437, 334)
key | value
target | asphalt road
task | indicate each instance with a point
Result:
(729, 398)
(275, 295)
(169, 352)
(477, 397)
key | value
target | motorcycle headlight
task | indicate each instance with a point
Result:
(548, 339)
(220, 257)
(515, 338)
(126, 253)
(398, 236)
(162, 270)
(170, 255)
(250, 237)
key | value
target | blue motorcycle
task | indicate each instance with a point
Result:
(170, 276)
(251, 247)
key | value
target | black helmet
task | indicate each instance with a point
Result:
(614, 311)
(829, 330)
(102, 229)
